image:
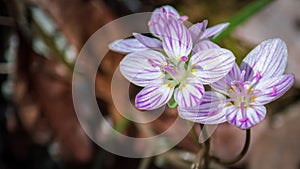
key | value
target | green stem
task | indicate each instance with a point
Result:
(242, 16)
(242, 153)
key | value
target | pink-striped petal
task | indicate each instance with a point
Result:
(210, 111)
(160, 17)
(224, 84)
(176, 39)
(197, 31)
(189, 93)
(166, 10)
(211, 65)
(215, 30)
(204, 45)
(247, 117)
(151, 43)
(266, 60)
(154, 96)
(143, 68)
(273, 88)
(127, 46)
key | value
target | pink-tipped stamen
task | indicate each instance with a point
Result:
(170, 69)
(184, 18)
(184, 58)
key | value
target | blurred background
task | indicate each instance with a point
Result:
(39, 42)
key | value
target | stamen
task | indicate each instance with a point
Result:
(255, 79)
(170, 69)
(243, 89)
(184, 58)
(243, 75)
(150, 23)
(249, 96)
(184, 18)
(258, 76)
(243, 108)
(235, 89)
(229, 100)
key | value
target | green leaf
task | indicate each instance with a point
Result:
(242, 16)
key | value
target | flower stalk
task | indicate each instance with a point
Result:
(241, 154)
(207, 156)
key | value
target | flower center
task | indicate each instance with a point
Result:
(241, 93)
(176, 73)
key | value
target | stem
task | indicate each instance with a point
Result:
(99, 160)
(206, 155)
(207, 148)
(242, 153)
(145, 162)
(199, 158)
(194, 133)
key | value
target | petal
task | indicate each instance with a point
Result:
(151, 43)
(154, 96)
(204, 45)
(160, 17)
(197, 31)
(245, 118)
(215, 30)
(210, 111)
(266, 60)
(166, 10)
(212, 64)
(189, 93)
(127, 46)
(143, 68)
(224, 84)
(273, 88)
(176, 39)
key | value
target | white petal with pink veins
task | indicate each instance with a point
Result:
(211, 65)
(189, 93)
(210, 111)
(127, 46)
(273, 88)
(245, 118)
(268, 59)
(143, 68)
(176, 39)
(154, 96)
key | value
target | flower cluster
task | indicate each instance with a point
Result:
(177, 61)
